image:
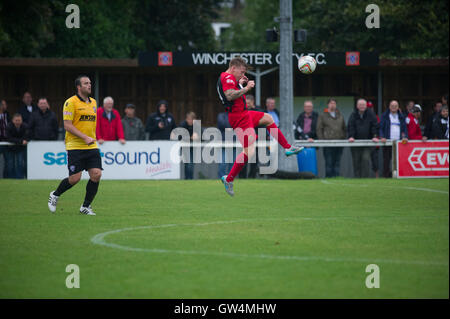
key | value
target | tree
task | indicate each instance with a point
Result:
(25, 27)
(408, 28)
(109, 29)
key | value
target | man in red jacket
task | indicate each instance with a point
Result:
(109, 124)
(412, 123)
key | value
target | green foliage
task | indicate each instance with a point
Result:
(177, 24)
(407, 28)
(25, 27)
(110, 29)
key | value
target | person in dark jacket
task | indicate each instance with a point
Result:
(362, 125)
(27, 107)
(440, 125)
(43, 125)
(161, 123)
(306, 123)
(188, 124)
(408, 108)
(4, 119)
(393, 127)
(16, 133)
(428, 127)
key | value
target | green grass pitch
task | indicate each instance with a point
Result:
(189, 239)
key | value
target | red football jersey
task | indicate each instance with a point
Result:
(228, 81)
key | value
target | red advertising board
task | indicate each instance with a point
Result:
(422, 159)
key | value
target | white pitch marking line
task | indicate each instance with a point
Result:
(99, 239)
(405, 187)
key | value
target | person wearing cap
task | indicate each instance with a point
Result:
(133, 128)
(413, 124)
(161, 123)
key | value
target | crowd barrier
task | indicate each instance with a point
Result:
(153, 159)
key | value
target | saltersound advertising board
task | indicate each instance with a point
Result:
(168, 58)
(133, 160)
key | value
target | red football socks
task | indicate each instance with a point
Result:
(278, 135)
(239, 163)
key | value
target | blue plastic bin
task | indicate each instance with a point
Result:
(307, 160)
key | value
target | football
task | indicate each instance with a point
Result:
(307, 64)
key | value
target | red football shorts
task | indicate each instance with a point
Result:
(244, 124)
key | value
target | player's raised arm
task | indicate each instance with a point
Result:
(232, 94)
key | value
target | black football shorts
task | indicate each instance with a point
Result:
(79, 160)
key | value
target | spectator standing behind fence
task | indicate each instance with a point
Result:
(444, 100)
(331, 126)
(428, 127)
(362, 125)
(15, 159)
(306, 123)
(132, 126)
(188, 124)
(43, 124)
(413, 124)
(440, 126)
(109, 124)
(408, 108)
(272, 110)
(161, 123)
(4, 120)
(392, 127)
(27, 107)
(375, 152)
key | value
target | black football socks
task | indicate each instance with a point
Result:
(91, 191)
(63, 186)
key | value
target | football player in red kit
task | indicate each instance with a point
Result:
(230, 87)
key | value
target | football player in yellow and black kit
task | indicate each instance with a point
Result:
(80, 120)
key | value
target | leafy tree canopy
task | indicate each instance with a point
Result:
(408, 28)
(110, 29)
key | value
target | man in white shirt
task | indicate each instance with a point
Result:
(392, 127)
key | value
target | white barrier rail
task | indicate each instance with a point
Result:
(315, 143)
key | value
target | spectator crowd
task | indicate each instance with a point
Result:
(39, 122)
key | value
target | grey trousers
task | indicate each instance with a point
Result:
(361, 161)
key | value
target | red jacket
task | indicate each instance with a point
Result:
(109, 130)
(414, 132)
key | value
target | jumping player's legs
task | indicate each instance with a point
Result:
(273, 129)
(243, 125)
